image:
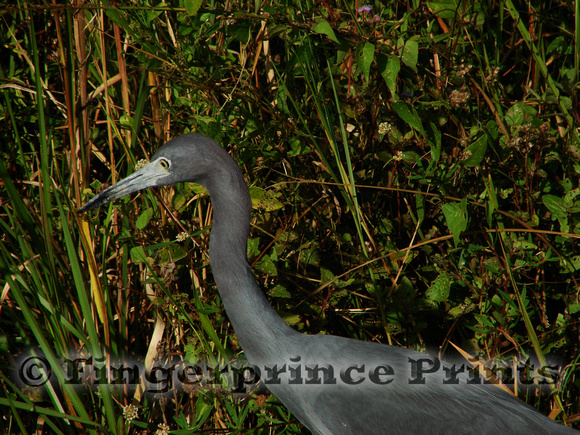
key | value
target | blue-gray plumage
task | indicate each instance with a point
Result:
(333, 385)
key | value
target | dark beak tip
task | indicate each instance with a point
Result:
(87, 206)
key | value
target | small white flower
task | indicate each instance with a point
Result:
(130, 412)
(384, 128)
(141, 164)
(182, 236)
(464, 69)
(398, 156)
(163, 429)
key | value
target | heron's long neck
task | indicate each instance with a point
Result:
(257, 326)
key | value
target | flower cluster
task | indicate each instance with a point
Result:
(182, 236)
(163, 429)
(458, 98)
(368, 10)
(384, 128)
(141, 164)
(130, 412)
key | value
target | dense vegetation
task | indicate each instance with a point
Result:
(414, 168)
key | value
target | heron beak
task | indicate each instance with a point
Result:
(146, 177)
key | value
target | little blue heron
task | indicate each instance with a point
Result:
(333, 385)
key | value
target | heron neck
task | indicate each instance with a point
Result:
(258, 327)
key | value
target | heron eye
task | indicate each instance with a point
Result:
(164, 163)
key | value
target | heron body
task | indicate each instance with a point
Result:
(333, 385)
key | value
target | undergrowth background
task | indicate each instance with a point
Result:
(414, 169)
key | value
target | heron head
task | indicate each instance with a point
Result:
(190, 157)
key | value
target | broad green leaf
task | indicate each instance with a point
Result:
(266, 200)
(523, 245)
(439, 289)
(412, 156)
(138, 254)
(389, 67)
(555, 205)
(456, 218)
(323, 27)
(242, 33)
(198, 189)
(365, 53)
(409, 115)
(171, 253)
(127, 122)
(179, 201)
(460, 310)
(326, 275)
(515, 115)
(574, 308)
(570, 201)
(192, 6)
(267, 266)
(518, 113)
(290, 319)
(253, 246)
(476, 152)
(154, 12)
(444, 8)
(144, 219)
(297, 147)
(411, 54)
(458, 11)
(559, 210)
(114, 15)
(557, 45)
(484, 320)
(279, 292)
